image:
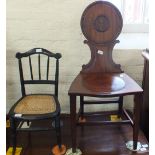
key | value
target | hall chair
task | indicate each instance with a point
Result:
(101, 23)
(37, 106)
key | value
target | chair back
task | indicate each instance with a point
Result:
(40, 55)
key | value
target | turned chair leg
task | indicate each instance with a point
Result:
(58, 130)
(14, 134)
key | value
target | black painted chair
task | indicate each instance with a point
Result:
(31, 107)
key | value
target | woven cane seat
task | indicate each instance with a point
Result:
(36, 104)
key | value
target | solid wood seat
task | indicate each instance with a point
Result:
(88, 85)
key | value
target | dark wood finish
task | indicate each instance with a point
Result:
(78, 87)
(101, 59)
(56, 77)
(92, 123)
(82, 106)
(101, 23)
(136, 118)
(120, 106)
(73, 121)
(103, 118)
(33, 51)
(145, 85)
(49, 54)
(39, 82)
(31, 68)
(53, 116)
(47, 68)
(107, 82)
(39, 71)
(94, 140)
(21, 77)
(131, 88)
(99, 102)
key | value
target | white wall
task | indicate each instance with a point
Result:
(55, 25)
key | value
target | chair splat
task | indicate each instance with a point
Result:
(31, 71)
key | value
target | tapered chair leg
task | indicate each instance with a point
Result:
(58, 131)
(59, 149)
(13, 130)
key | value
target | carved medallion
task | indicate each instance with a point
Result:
(101, 23)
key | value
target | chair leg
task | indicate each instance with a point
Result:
(13, 130)
(58, 130)
(29, 139)
(120, 106)
(28, 123)
(81, 108)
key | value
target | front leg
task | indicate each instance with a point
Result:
(73, 121)
(14, 134)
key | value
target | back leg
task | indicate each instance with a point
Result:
(120, 106)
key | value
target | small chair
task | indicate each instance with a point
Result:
(31, 107)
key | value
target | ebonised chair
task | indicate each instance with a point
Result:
(31, 107)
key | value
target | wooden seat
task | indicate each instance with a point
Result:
(37, 106)
(101, 77)
(113, 85)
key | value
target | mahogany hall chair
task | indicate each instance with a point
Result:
(41, 106)
(101, 24)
